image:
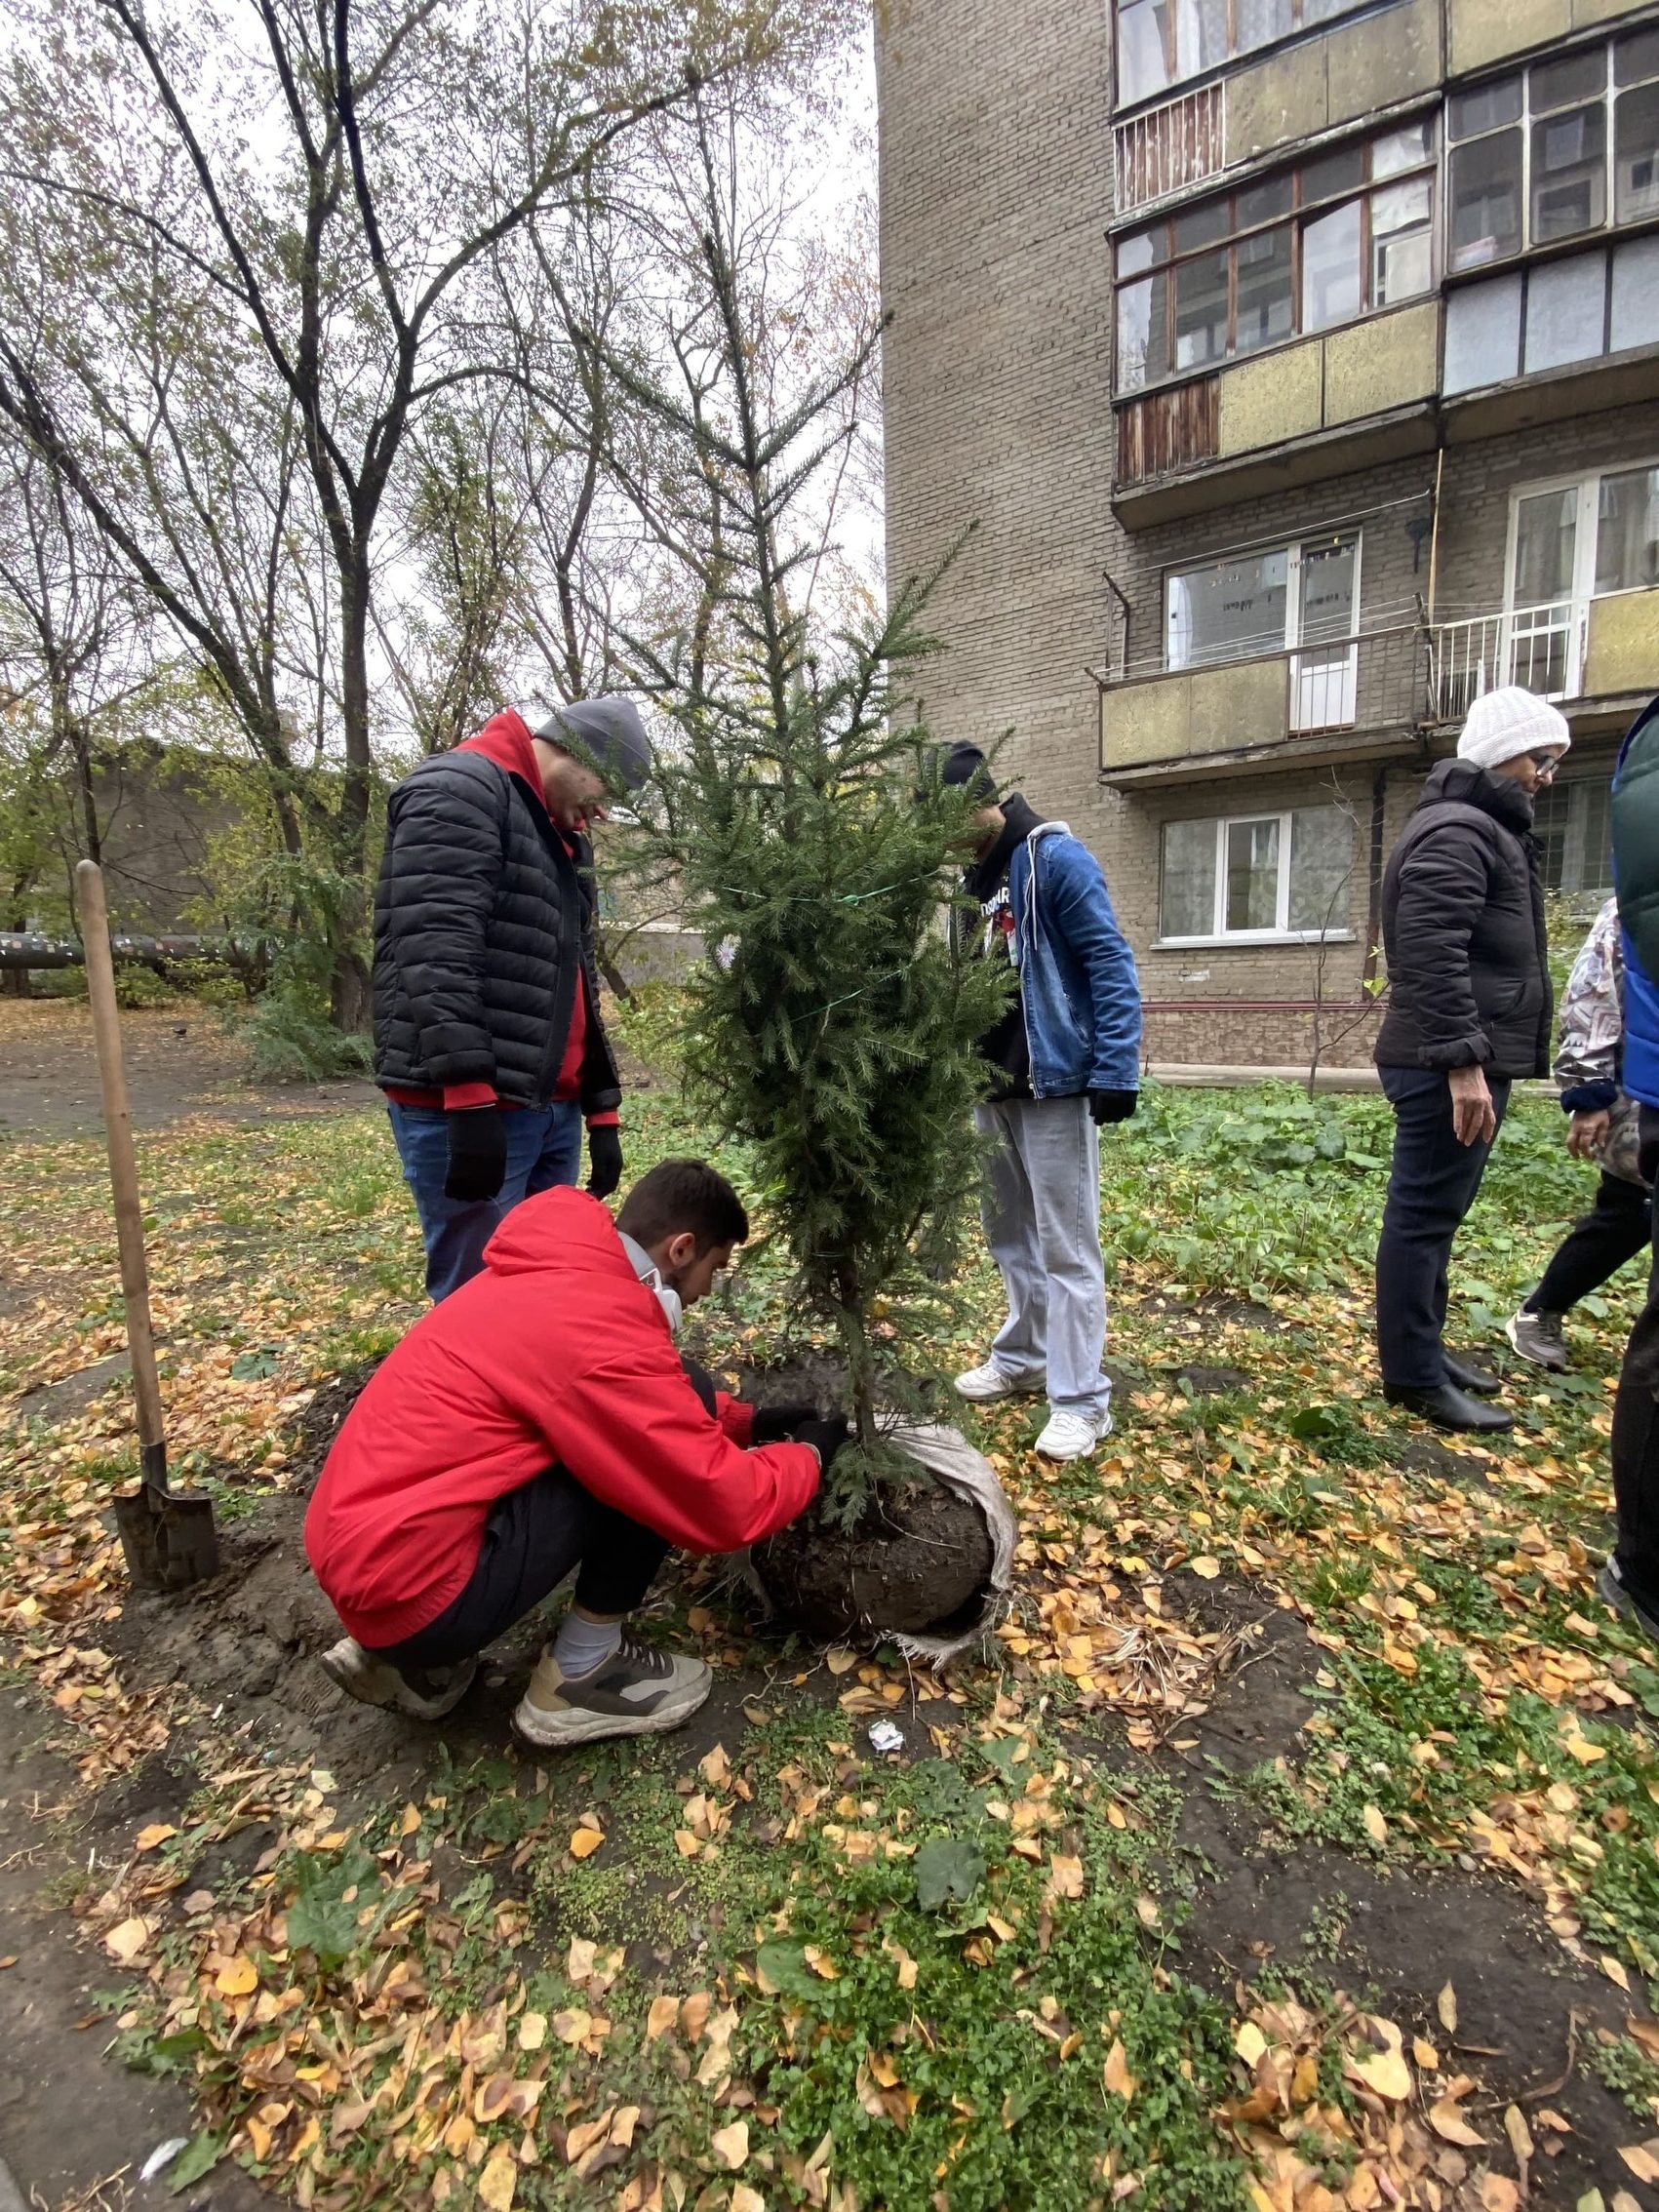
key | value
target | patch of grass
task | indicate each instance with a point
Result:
(1622, 2066)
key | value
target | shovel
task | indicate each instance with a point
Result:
(166, 1535)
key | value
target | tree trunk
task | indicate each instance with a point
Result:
(349, 996)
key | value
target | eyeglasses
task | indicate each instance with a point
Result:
(1546, 761)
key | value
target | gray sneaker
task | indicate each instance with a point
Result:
(1537, 1337)
(1610, 1584)
(635, 1692)
(426, 1693)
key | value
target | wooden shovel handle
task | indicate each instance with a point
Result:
(123, 1166)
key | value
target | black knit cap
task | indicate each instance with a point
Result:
(963, 763)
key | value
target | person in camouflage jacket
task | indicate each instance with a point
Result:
(1602, 1130)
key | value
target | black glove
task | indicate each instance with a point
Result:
(478, 1151)
(774, 1423)
(1113, 1105)
(826, 1436)
(604, 1157)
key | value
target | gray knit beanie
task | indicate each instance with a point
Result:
(608, 734)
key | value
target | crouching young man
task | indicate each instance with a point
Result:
(539, 1421)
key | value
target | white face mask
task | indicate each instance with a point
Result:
(668, 1299)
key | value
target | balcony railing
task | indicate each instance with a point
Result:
(1177, 144)
(1539, 647)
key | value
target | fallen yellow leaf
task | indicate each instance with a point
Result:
(1643, 2158)
(127, 1941)
(1065, 1876)
(1450, 2125)
(1445, 2005)
(1116, 2071)
(583, 1845)
(1384, 2071)
(1205, 1567)
(660, 2019)
(532, 2031)
(147, 1838)
(580, 2140)
(686, 1844)
(237, 1978)
(1376, 1827)
(1249, 2043)
(840, 1661)
(499, 2181)
(731, 2145)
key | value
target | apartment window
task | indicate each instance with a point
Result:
(1573, 823)
(1163, 41)
(1281, 596)
(1573, 541)
(1553, 316)
(1322, 244)
(1553, 151)
(1257, 876)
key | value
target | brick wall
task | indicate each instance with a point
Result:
(995, 184)
(996, 152)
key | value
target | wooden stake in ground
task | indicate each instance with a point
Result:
(167, 1536)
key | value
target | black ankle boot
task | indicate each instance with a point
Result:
(1447, 1408)
(1466, 1376)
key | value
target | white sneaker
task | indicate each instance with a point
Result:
(989, 1382)
(425, 1692)
(1071, 1436)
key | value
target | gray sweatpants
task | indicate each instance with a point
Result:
(1041, 1216)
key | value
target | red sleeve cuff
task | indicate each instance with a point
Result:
(609, 1119)
(457, 1097)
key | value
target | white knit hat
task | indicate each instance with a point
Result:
(1502, 724)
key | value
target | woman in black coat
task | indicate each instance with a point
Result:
(1470, 1012)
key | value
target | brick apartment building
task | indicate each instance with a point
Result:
(1299, 363)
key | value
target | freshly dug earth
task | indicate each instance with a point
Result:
(917, 1565)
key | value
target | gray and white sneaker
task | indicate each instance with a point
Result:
(1537, 1337)
(426, 1693)
(635, 1692)
(984, 1385)
(1610, 1584)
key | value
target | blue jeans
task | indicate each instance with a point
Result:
(1431, 1187)
(544, 1147)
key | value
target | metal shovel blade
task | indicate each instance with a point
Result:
(167, 1536)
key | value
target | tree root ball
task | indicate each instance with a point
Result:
(917, 1565)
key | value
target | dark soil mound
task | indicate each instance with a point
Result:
(1213, 1382)
(318, 1426)
(917, 1565)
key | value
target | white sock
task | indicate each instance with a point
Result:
(580, 1645)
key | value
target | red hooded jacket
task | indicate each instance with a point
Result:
(556, 1351)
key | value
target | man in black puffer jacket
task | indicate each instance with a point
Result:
(1469, 1012)
(487, 1040)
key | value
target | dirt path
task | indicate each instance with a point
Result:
(180, 1061)
(75, 2126)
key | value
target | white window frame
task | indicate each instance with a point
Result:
(1583, 587)
(1280, 933)
(1292, 639)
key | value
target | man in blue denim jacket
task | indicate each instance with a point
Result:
(1067, 1058)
